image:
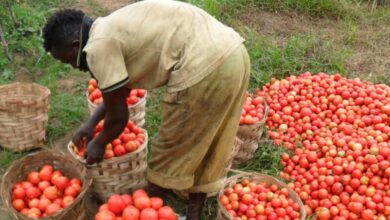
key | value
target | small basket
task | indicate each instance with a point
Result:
(136, 111)
(257, 178)
(117, 175)
(19, 170)
(24, 111)
(255, 131)
(250, 135)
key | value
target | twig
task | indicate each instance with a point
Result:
(4, 44)
(11, 13)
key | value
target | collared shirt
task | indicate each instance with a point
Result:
(153, 43)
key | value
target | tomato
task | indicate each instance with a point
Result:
(33, 203)
(61, 182)
(33, 192)
(53, 208)
(18, 193)
(51, 193)
(93, 83)
(70, 191)
(142, 202)
(131, 146)
(119, 150)
(46, 173)
(33, 177)
(105, 215)
(157, 203)
(130, 213)
(67, 201)
(34, 213)
(127, 199)
(18, 204)
(43, 203)
(139, 193)
(148, 214)
(116, 204)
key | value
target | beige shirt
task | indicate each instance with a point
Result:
(153, 43)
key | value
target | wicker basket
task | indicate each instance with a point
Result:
(255, 131)
(250, 135)
(19, 170)
(24, 111)
(117, 174)
(257, 178)
(136, 111)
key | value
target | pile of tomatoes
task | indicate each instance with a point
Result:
(45, 192)
(253, 109)
(129, 141)
(250, 200)
(339, 132)
(95, 95)
(138, 206)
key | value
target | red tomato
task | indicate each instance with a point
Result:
(18, 204)
(70, 191)
(51, 193)
(33, 192)
(53, 208)
(116, 204)
(67, 201)
(148, 214)
(93, 83)
(127, 199)
(105, 215)
(61, 182)
(43, 203)
(142, 202)
(139, 193)
(130, 213)
(157, 203)
(131, 146)
(119, 150)
(33, 203)
(34, 178)
(18, 193)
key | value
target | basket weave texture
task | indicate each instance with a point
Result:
(117, 175)
(19, 170)
(256, 178)
(24, 111)
(136, 111)
(250, 135)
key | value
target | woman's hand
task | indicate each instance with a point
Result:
(83, 134)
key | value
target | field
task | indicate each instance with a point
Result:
(283, 37)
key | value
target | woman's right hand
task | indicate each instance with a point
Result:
(83, 134)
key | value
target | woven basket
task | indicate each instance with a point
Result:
(19, 170)
(257, 178)
(24, 111)
(255, 131)
(117, 175)
(250, 135)
(136, 111)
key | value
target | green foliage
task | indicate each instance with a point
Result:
(298, 54)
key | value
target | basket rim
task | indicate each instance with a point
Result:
(111, 160)
(129, 107)
(243, 174)
(45, 92)
(5, 193)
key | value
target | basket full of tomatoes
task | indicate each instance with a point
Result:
(258, 196)
(136, 102)
(252, 124)
(46, 185)
(136, 206)
(124, 164)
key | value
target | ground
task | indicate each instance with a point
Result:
(282, 37)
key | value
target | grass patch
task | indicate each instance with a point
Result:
(298, 54)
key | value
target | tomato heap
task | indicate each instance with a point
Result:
(95, 95)
(139, 206)
(129, 141)
(338, 130)
(248, 200)
(45, 193)
(253, 109)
